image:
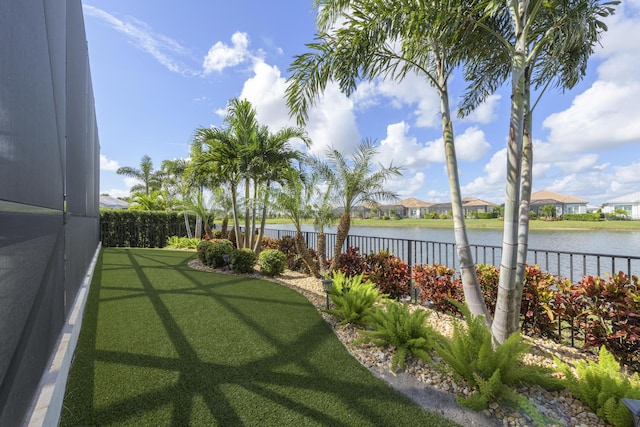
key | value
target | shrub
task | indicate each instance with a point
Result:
(438, 286)
(201, 250)
(287, 245)
(443, 216)
(406, 330)
(489, 369)
(431, 215)
(610, 314)
(215, 251)
(243, 260)
(538, 303)
(487, 215)
(390, 274)
(601, 386)
(352, 262)
(272, 262)
(178, 242)
(269, 243)
(352, 298)
(582, 217)
(488, 277)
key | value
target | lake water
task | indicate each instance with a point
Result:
(606, 242)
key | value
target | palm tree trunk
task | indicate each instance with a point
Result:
(470, 285)
(303, 251)
(198, 227)
(247, 226)
(187, 225)
(525, 201)
(503, 322)
(223, 227)
(257, 248)
(341, 235)
(321, 248)
(236, 221)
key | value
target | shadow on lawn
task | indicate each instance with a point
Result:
(308, 379)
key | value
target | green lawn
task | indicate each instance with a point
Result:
(162, 344)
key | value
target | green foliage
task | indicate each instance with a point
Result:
(431, 215)
(201, 250)
(272, 262)
(353, 298)
(486, 215)
(601, 385)
(140, 229)
(243, 260)
(406, 330)
(177, 242)
(351, 262)
(389, 273)
(490, 369)
(582, 217)
(215, 251)
(287, 245)
(438, 287)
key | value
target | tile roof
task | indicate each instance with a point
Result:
(629, 198)
(546, 195)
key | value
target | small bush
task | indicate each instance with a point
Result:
(489, 369)
(352, 262)
(406, 330)
(272, 262)
(601, 386)
(438, 286)
(201, 249)
(390, 274)
(176, 242)
(353, 298)
(487, 215)
(582, 217)
(214, 252)
(269, 243)
(243, 260)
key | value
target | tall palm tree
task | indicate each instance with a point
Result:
(177, 185)
(226, 154)
(352, 182)
(150, 180)
(272, 164)
(392, 39)
(323, 216)
(294, 199)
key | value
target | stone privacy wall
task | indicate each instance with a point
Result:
(49, 185)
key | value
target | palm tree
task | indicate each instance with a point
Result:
(392, 39)
(352, 181)
(151, 180)
(294, 199)
(177, 184)
(323, 217)
(493, 39)
(272, 163)
(226, 154)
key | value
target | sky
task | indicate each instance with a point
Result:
(162, 69)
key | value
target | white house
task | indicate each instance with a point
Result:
(630, 203)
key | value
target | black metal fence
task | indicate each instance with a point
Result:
(572, 265)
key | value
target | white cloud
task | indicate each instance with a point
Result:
(407, 185)
(413, 90)
(108, 165)
(485, 112)
(117, 192)
(139, 34)
(221, 56)
(602, 117)
(490, 186)
(266, 92)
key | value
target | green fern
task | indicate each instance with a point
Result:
(601, 385)
(396, 325)
(490, 369)
(353, 299)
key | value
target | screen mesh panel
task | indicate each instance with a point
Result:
(49, 153)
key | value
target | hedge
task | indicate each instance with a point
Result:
(140, 229)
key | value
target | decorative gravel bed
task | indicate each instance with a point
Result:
(560, 406)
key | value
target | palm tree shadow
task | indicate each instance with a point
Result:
(283, 377)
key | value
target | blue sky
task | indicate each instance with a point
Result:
(160, 70)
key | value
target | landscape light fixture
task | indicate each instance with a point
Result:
(634, 407)
(327, 284)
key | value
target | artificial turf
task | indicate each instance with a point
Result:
(162, 344)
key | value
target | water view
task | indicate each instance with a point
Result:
(616, 246)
